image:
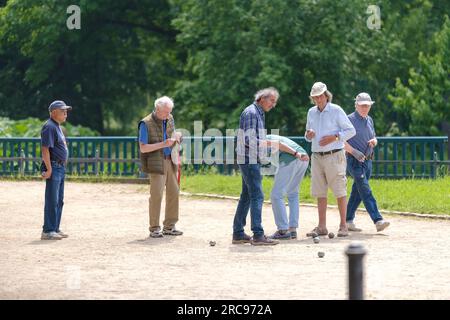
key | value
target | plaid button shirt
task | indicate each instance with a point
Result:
(251, 131)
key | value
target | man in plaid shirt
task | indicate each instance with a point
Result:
(251, 147)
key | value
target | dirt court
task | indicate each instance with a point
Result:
(109, 255)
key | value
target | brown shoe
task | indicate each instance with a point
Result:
(343, 232)
(317, 231)
(242, 239)
(263, 241)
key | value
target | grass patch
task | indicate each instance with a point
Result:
(410, 195)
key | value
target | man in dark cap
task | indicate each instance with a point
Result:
(54, 158)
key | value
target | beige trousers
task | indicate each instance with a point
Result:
(157, 184)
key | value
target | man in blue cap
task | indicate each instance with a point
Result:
(54, 158)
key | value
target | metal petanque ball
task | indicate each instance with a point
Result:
(321, 254)
(316, 239)
(331, 235)
(212, 243)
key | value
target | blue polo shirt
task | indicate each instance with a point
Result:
(53, 138)
(143, 135)
(365, 131)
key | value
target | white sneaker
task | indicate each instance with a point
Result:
(381, 225)
(156, 234)
(352, 227)
(50, 236)
(62, 234)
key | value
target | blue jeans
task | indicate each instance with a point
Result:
(287, 183)
(54, 198)
(361, 172)
(252, 197)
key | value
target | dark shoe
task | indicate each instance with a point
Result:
(172, 232)
(293, 234)
(263, 241)
(281, 235)
(242, 239)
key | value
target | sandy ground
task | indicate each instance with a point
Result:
(109, 255)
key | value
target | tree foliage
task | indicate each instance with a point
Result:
(31, 127)
(106, 70)
(423, 102)
(212, 56)
(236, 47)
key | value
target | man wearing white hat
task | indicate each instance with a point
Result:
(327, 128)
(359, 163)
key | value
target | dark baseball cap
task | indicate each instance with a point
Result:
(59, 104)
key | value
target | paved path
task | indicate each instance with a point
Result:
(109, 255)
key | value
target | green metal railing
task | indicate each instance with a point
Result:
(88, 155)
(395, 157)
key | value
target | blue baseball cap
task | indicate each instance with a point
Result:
(59, 104)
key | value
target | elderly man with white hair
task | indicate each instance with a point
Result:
(157, 137)
(359, 163)
(328, 127)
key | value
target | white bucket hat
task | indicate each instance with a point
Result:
(317, 89)
(364, 98)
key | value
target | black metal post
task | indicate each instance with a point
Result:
(355, 253)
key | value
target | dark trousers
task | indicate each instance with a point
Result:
(252, 197)
(361, 191)
(54, 198)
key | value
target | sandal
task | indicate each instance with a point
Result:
(318, 231)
